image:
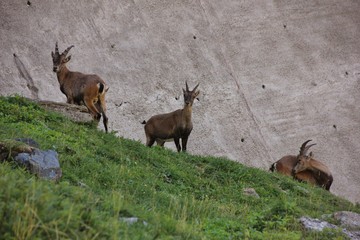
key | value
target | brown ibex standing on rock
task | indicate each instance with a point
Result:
(79, 88)
(304, 168)
(173, 125)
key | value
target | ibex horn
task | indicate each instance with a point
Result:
(195, 87)
(307, 148)
(187, 87)
(67, 50)
(56, 48)
(304, 148)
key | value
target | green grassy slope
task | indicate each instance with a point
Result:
(174, 195)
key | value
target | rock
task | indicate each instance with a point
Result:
(251, 192)
(349, 220)
(83, 185)
(318, 225)
(77, 113)
(315, 224)
(24, 151)
(132, 220)
(44, 164)
(354, 235)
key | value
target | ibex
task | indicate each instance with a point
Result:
(79, 88)
(173, 125)
(286, 166)
(319, 170)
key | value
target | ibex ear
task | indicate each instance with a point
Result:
(184, 91)
(67, 59)
(197, 93)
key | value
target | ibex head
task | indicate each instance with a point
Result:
(303, 161)
(189, 96)
(59, 60)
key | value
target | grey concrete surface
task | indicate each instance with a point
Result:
(272, 73)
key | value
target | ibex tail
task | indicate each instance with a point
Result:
(272, 168)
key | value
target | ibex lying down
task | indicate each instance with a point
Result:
(81, 88)
(319, 170)
(301, 169)
(174, 125)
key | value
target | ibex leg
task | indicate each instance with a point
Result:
(100, 106)
(177, 143)
(160, 142)
(184, 142)
(93, 111)
(149, 141)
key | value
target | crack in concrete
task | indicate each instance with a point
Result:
(26, 75)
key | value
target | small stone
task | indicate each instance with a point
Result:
(251, 192)
(132, 220)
